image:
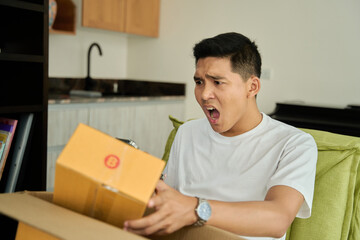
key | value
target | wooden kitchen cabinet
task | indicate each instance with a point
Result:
(139, 17)
(107, 15)
(142, 17)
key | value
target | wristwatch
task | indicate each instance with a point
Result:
(203, 212)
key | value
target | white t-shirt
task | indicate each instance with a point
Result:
(207, 164)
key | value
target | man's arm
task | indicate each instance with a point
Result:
(269, 218)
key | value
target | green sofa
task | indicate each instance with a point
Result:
(336, 210)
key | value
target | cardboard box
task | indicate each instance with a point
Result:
(99, 183)
(104, 178)
(40, 219)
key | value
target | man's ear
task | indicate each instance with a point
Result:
(253, 86)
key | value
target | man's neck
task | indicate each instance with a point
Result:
(250, 121)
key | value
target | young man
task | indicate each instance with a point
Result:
(237, 169)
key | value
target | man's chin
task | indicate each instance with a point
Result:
(221, 130)
(216, 127)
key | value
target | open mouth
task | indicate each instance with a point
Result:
(213, 114)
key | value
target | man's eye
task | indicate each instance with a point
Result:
(198, 82)
(218, 82)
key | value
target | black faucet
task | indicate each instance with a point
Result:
(89, 83)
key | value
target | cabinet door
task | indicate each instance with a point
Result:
(108, 14)
(147, 123)
(62, 122)
(142, 17)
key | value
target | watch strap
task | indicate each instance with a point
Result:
(200, 222)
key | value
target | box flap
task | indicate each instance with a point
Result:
(47, 196)
(112, 162)
(204, 232)
(57, 221)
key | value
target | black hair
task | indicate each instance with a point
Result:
(243, 53)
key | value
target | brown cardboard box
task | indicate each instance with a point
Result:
(50, 221)
(97, 176)
(40, 219)
(104, 178)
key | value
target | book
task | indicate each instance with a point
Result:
(20, 143)
(2, 146)
(3, 137)
(7, 131)
(4, 134)
(5, 127)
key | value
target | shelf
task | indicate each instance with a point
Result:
(22, 32)
(23, 5)
(21, 57)
(23, 73)
(55, 31)
(22, 109)
(65, 20)
(22, 83)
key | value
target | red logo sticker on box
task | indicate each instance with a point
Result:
(112, 161)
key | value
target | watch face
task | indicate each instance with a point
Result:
(204, 211)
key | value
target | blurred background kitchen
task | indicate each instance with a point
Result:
(310, 49)
(138, 57)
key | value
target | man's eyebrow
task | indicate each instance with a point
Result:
(197, 78)
(214, 77)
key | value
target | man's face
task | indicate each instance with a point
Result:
(223, 95)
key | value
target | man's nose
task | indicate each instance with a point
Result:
(208, 92)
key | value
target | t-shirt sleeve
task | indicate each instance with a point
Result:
(297, 169)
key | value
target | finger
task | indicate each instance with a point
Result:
(163, 232)
(155, 201)
(145, 222)
(161, 186)
(168, 227)
(150, 230)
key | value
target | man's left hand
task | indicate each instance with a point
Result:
(173, 211)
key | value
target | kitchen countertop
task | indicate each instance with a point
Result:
(113, 90)
(66, 99)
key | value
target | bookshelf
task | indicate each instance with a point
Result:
(23, 83)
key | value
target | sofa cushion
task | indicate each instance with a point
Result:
(336, 209)
(176, 123)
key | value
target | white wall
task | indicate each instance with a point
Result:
(68, 53)
(311, 46)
